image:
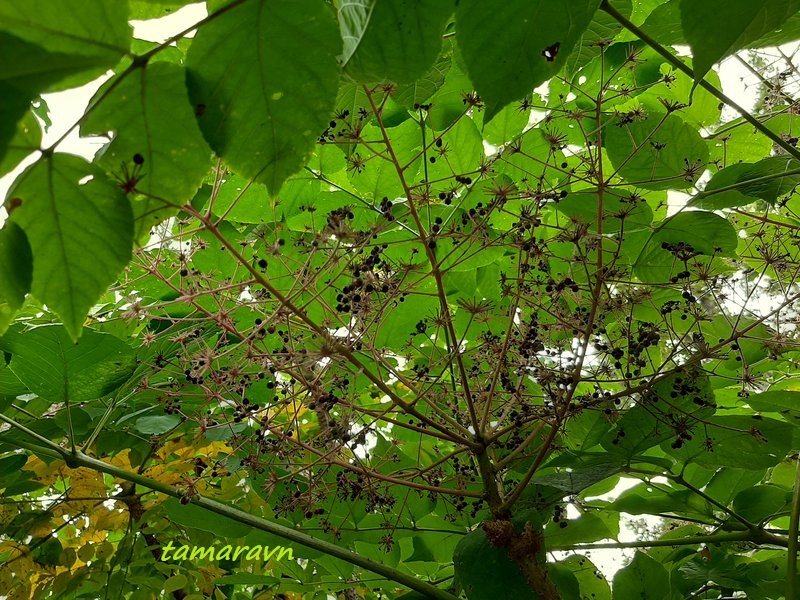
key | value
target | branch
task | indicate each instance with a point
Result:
(739, 184)
(678, 64)
(719, 538)
(340, 348)
(425, 239)
(791, 565)
(79, 459)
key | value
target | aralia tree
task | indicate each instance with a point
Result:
(408, 286)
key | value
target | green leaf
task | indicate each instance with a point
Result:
(174, 583)
(354, 17)
(262, 105)
(413, 94)
(48, 553)
(713, 38)
(664, 23)
(447, 104)
(464, 149)
(12, 464)
(789, 31)
(240, 200)
(740, 441)
(739, 142)
(721, 568)
(16, 270)
(783, 402)
(22, 487)
(687, 232)
(28, 69)
(565, 582)
(643, 499)
(751, 348)
(508, 124)
(73, 420)
(26, 139)
(526, 50)
(621, 208)
(399, 322)
(10, 387)
(700, 107)
(247, 579)
(727, 482)
(762, 501)
(587, 528)
(45, 43)
(95, 29)
(413, 595)
(80, 229)
(394, 40)
(153, 9)
(51, 365)
(643, 578)
(157, 425)
(486, 572)
(764, 180)
(591, 585)
(602, 29)
(579, 478)
(149, 112)
(657, 153)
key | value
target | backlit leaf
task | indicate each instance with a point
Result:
(51, 365)
(149, 114)
(391, 40)
(264, 120)
(80, 229)
(712, 38)
(526, 51)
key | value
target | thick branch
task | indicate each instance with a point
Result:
(79, 459)
(759, 537)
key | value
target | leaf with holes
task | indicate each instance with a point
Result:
(526, 51)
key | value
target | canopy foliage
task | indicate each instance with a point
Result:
(408, 286)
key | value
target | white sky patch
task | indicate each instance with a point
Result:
(160, 30)
(611, 560)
